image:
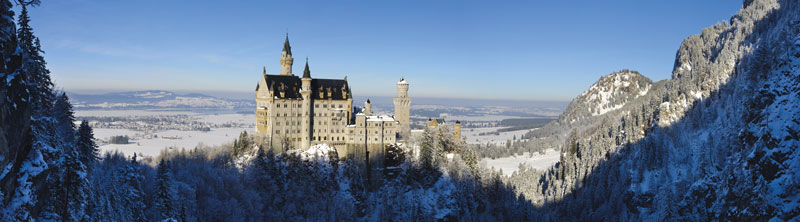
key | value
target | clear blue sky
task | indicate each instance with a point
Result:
(527, 50)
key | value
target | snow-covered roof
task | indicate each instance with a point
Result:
(381, 118)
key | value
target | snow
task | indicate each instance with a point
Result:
(598, 96)
(318, 153)
(474, 137)
(153, 95)
(152, 146)
(511, 164)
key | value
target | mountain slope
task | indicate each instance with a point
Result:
(609, 93)
(715, 142)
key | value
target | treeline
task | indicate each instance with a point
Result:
(123, 139)
(205, 184)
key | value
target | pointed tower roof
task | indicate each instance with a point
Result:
(286, 47)
(307, 72)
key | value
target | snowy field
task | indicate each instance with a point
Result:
(172, 139)
(473, 135)
(511, 164)
(151, 143)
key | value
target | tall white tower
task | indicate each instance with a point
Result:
(286, 58)
(305, 91)
(402, 105)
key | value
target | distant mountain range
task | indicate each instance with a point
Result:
(157, 99)
(167, 100)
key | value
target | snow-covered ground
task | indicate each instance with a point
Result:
(511, 164)
(474, 137)
(151, 143)
(171, 139)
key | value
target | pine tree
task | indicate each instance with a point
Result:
(65, 120)
(131, 193)
(427, 150)
(86, 146)
(74, 189)
(34, 64)
(243, 144)
(163, 194)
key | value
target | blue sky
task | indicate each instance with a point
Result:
(527, 50)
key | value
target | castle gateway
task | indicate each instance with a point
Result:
(298, 112)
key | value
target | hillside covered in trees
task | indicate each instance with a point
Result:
(717, 141)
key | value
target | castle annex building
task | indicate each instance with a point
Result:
(296, 112)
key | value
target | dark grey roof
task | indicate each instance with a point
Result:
(306, 72)
(291, 85)
(333, 85)
(286, 47)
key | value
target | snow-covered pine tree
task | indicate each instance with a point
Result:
(131, 192)
(74, 189)
(65, 120)
(427, 148)
(86, 146)
(163, 196)
(43, 124)
(41, 84)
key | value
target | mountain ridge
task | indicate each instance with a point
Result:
(715, 142)
(156, 99)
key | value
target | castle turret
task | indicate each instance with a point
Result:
(368, 108)
(402, 106)
(305, 91)
(286, 58)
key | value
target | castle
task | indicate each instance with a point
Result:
(298, 112)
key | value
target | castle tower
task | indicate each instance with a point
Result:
(305, 91)
(286, 58)
(457, 131)
(402, 105)
(368, 108)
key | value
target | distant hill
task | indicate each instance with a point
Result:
(156, 99)
(609, 93)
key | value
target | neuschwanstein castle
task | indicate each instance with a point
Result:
(297, 112)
